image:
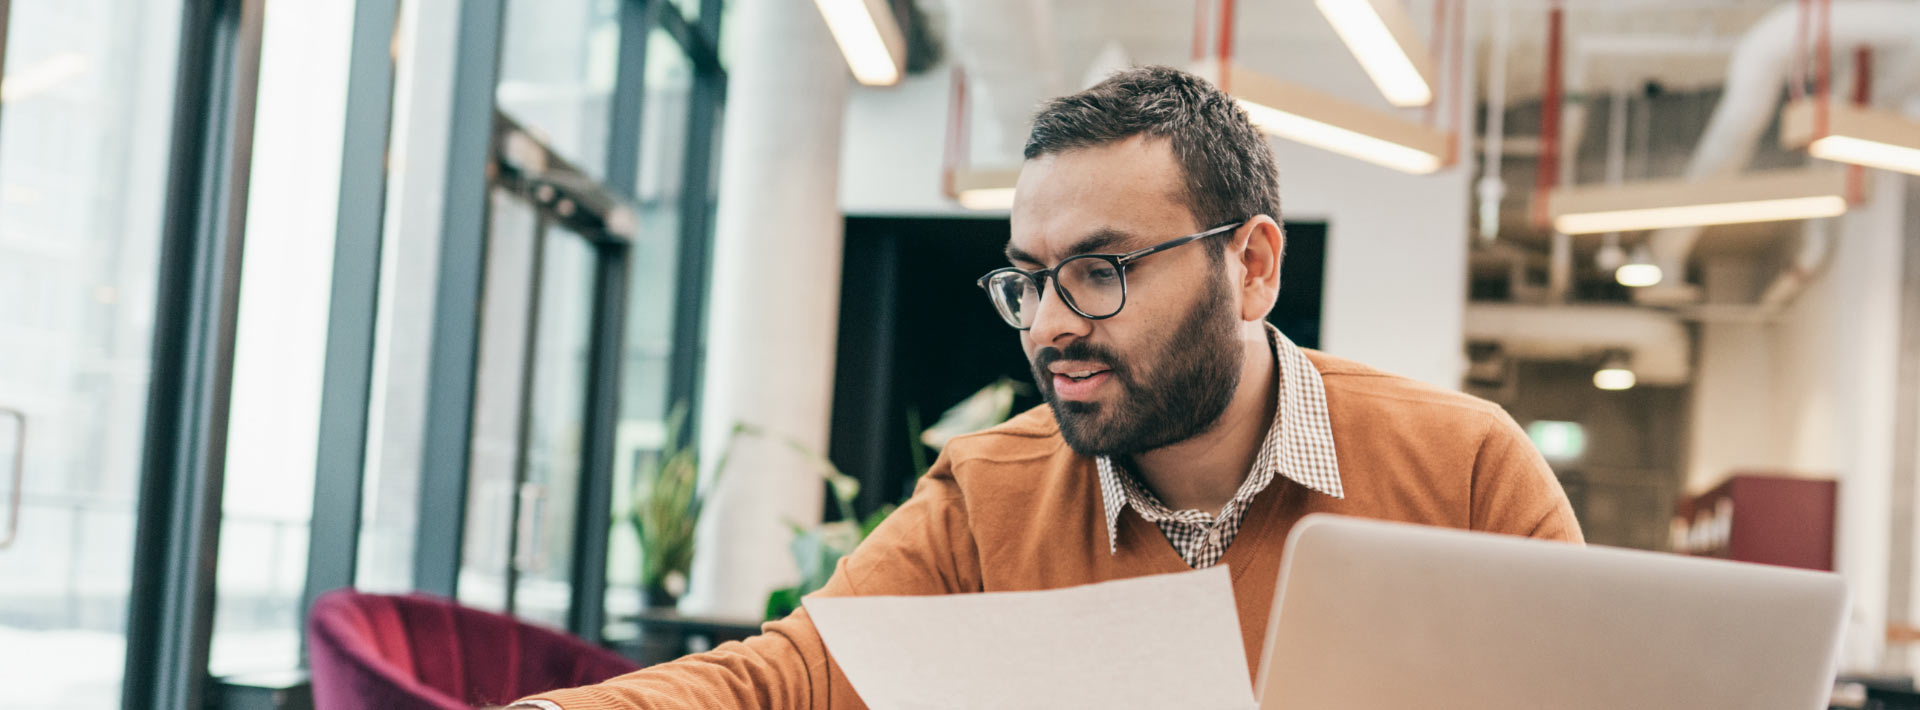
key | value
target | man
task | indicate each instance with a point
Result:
(1180, 430)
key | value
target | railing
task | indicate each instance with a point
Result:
(70, 567)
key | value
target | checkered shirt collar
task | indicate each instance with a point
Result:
(1298, 445)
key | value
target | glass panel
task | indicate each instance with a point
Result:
(557, 62)
(689, 8)
(409, 272)
(499, 379)
(280, 343)
(83, 156)
(551, 493)
(651, 301)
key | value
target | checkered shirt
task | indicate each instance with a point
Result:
(1299, 445)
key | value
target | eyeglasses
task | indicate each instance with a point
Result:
(1093, 285)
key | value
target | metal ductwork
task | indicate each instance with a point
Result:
(1657, 343)
(1755, 74)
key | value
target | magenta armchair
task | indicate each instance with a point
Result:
(375, 652)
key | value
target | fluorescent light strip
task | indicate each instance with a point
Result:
(987, 198)
(1886, 156)
(1632, 220)
(1340, 140)
(857, 32)
(1366, 35)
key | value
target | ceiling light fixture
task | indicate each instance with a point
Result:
(869, 37)
(1853, 134)
(1383, 38)
(1640, 272)
(1615, 374)
(1660, 204)
(986, 190)
(1329, 123)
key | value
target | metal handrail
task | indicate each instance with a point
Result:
(19, 478)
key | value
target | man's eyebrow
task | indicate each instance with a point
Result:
(1097, 240)
(1093, 242)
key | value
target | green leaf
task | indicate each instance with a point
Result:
(874, 519)
(782, 602)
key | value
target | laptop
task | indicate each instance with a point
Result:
(1370, 614)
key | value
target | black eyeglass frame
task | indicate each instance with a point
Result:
(1118, 261)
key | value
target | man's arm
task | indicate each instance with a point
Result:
(1514, 491)
(925, 547)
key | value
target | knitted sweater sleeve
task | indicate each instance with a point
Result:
(925, 547)
(1514, 491)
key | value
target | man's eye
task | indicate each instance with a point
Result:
(1103, 274)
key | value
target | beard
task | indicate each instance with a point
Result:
(1175, 392)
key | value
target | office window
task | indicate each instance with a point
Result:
(652, 291)
(280, 344)
(557, 63)
(84, 143)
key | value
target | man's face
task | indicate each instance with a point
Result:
(1163, 369)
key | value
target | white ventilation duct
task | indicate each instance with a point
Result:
(1656, 342)
(1007, 48)
(1755, 74)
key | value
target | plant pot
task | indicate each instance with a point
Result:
(657, 597)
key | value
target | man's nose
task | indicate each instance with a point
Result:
(1054, 322)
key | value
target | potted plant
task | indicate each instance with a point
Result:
(817, 550)
(667, 501)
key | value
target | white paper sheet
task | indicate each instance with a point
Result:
(1165, 641)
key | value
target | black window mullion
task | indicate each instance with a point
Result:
(176, 548)
(446, 445)
(702, 48)
(586, 616)
(629, 97)
(523, 433)
(696, 242)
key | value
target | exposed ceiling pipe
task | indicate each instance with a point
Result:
(1816, 236)
(1816, 248)
(1657, 342)
(1008, 47)
(1491, 189)
(1611, 256)
(1547, 172)
(1553, 169)
(1755, 74)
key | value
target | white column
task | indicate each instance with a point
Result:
(774, 308)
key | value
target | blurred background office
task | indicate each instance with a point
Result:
(470, 297)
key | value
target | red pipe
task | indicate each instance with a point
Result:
(1199, 30)
(1797, 79)
(1823, 63)
(1862, 95)
(1226, 41)
(1436, 40)
(1549, 166)
(1457, 82)
(955, 154)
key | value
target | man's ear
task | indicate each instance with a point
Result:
(1260, 244)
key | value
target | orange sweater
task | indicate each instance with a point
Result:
(1013, 508)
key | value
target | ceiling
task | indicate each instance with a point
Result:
(1680, 43)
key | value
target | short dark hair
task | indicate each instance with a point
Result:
(1229, 167)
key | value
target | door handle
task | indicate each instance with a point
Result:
(19, 475)
(531, 556)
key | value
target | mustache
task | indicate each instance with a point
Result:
(1079, 350)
